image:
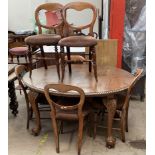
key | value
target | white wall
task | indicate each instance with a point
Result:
(21, 13)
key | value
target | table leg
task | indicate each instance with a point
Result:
(111, 108)
(13, 99)
(32, 98)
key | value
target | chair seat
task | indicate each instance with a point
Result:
(78, 41)
(19, 50)
(42, 39)
(70, 115)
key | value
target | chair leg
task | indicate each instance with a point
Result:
(57, 61)
(56, 134)
(43, 55)
(26, 57)
(28, 114)
(126, 117)
(28, 119)
(122, 126)
(68, 57)
(90, 58)
(62, 63)
(80, 134)
(94, 61)
(30, 61)
(18, 59)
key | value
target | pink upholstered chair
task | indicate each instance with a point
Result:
(18, 52)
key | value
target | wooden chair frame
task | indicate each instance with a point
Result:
(19, 71)
(125, 108)
(79, 106)
(79, 6)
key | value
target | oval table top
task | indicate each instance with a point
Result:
(110, 80)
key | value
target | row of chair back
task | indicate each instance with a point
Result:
(56, 17)
(63, 37)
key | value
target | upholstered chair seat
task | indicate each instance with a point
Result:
(18, 51)
(43, 39)
(78, 41)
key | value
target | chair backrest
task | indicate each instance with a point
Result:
(137, 75)
(79, 6)
(53, 89)
(20, 70)
(52, 14)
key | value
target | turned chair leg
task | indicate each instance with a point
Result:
(94, 61)
(18, 59)
(90, 58)
(43, 55)
(62, 62)
(57, 61)
(30, 60)
(68, 57)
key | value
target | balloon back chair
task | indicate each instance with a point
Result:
(53, 22)
(20, 70)
(123, 105)
(79, 39)
(68, 111)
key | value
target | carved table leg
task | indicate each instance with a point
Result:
(13, 99)
(32, 98)
(111, 108)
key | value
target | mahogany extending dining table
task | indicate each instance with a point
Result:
(111, 80)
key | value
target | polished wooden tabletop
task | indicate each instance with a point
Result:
(110, 79)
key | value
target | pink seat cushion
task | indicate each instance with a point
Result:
(19, 50)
